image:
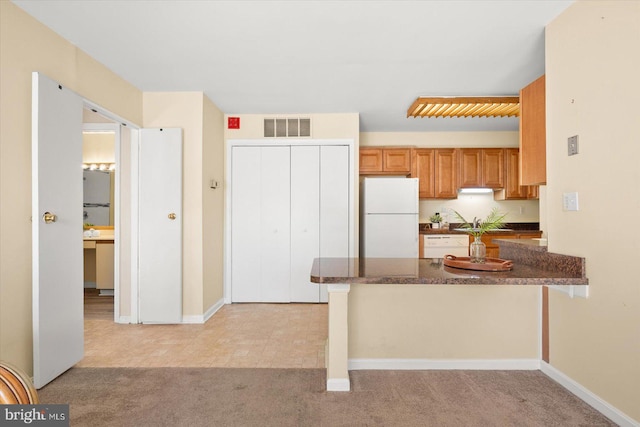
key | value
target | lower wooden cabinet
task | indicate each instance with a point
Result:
(104, 265)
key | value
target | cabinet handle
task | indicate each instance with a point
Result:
(172, 216)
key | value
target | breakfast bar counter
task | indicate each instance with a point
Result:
(387, 312)
(432, 272)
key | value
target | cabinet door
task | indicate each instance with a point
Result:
(470, 167)
(446, 176)
(370, 160)
(533, 192)
(493, 167)
(305, 221)
(334, 204)
(396, 160)
(104, 265)
(533, 160)
(275, 221)
(512, 187)
(423, 169)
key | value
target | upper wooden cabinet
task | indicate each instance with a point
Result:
(481, 168)
(533, 156)
(436, 171)
(385, 161)
(512, 188)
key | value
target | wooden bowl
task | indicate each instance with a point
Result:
(15, 387)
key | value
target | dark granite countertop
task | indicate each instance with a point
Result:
(511, 228)
(532, 265)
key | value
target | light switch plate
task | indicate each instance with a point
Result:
(572, 143)
(570, 201)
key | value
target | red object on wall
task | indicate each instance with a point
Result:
(233, 123)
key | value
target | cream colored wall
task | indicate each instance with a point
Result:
(592, 69)
(323, 126)
(185, 110)
(441, 139)
(480, 205)
(27, 46)
(213, 204)
(443, 322)
(98, 147)
(123, 170)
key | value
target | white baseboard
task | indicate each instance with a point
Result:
(124, 319)
(440, 364)
(589, 397)
(213, 309)
(201, 318)
(338, 384)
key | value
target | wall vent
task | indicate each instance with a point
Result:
(287, 128)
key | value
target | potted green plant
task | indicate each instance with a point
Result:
(493, 221)
(435, 220)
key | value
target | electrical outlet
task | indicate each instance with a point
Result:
(572, 143)
(570, 201)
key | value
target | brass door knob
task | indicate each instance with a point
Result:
(172, 216)
(49, 218)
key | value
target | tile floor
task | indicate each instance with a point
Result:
(238, 335)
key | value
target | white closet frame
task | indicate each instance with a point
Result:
(353, 191)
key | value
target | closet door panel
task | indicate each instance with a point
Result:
(245, 224)
(275, 223)
(334, 204)
(305, 221)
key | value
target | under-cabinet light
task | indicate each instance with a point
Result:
(475, 190)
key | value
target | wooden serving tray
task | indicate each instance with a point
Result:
(491, 264)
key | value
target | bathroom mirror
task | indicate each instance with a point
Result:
(98, 156)
(97, 188)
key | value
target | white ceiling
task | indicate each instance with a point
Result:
(283, 57)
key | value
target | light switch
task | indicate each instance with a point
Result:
(572, 145)
(570, 201)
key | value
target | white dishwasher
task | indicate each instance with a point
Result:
(439, 245)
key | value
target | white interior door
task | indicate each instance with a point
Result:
(305, 221)
(58, 341)
(160, 226)
(275, 215)
(334, 204)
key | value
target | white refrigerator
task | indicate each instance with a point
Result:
(389, 218)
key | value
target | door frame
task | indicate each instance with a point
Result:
(279, 142)
(133, 171)
(115, 128)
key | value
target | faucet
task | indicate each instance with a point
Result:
(476, 222)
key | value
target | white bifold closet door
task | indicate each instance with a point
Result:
(305, 221)
(289, 205)
(260, 225)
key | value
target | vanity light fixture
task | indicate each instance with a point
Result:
(465, 106)
(99, 166)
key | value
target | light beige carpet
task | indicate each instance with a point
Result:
(296, 397)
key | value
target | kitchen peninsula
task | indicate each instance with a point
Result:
(420, 314)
